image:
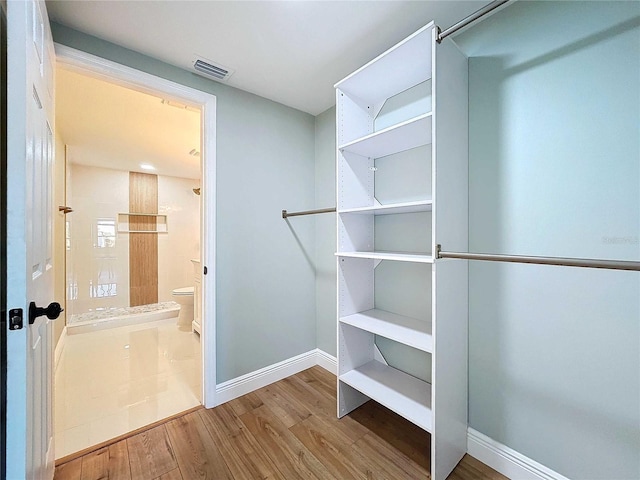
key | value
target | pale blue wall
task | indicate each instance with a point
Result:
(325, 224)
(554, 353)
(265, 163)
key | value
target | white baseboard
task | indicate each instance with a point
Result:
(506, 460)
(249, 382)
(59, 348)
(326, 361)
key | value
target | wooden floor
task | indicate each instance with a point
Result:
(287, 430)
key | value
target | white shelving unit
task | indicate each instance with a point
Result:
(402, 189)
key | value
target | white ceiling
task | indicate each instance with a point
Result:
(292, 52)
(106, 125)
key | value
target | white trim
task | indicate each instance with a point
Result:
(208, 296)
(506, 460)
(326, 361)
(252, 381)
(87, 64)
(51, 459)
(59, 348)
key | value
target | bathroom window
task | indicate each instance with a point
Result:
(106, 230)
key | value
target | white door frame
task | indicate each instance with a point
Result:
(91, 65)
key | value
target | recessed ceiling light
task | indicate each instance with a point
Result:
(146, 166)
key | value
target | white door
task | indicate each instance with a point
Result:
(30, 113)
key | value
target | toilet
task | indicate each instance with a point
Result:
(184, 297)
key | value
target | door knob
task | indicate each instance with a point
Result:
(52, 311)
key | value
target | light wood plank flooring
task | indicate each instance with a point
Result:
(287, 430)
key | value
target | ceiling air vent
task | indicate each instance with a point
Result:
(209, 69)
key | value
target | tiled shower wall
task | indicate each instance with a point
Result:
(98, 255)
(176, 249)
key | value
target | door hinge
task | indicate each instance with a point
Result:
(15, 319)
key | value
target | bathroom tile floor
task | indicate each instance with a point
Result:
(110, 382)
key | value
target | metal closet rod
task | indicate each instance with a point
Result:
(286, 214)
(467, 20)
(559, 261)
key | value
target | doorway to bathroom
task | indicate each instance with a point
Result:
(132, 221)
(137, 216)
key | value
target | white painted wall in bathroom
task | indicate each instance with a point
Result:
(176, 248)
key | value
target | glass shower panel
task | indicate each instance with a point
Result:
(97, 255)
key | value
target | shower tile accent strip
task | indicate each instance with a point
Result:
(143, 247)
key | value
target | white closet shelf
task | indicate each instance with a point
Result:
(399, 257)
(393, 208)
(406, 395)
(396, 70)
(412, 133)
(409, 331)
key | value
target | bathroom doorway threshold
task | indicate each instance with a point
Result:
(111, 441)
(97, 67)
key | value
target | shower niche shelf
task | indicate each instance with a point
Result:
(142, 223)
